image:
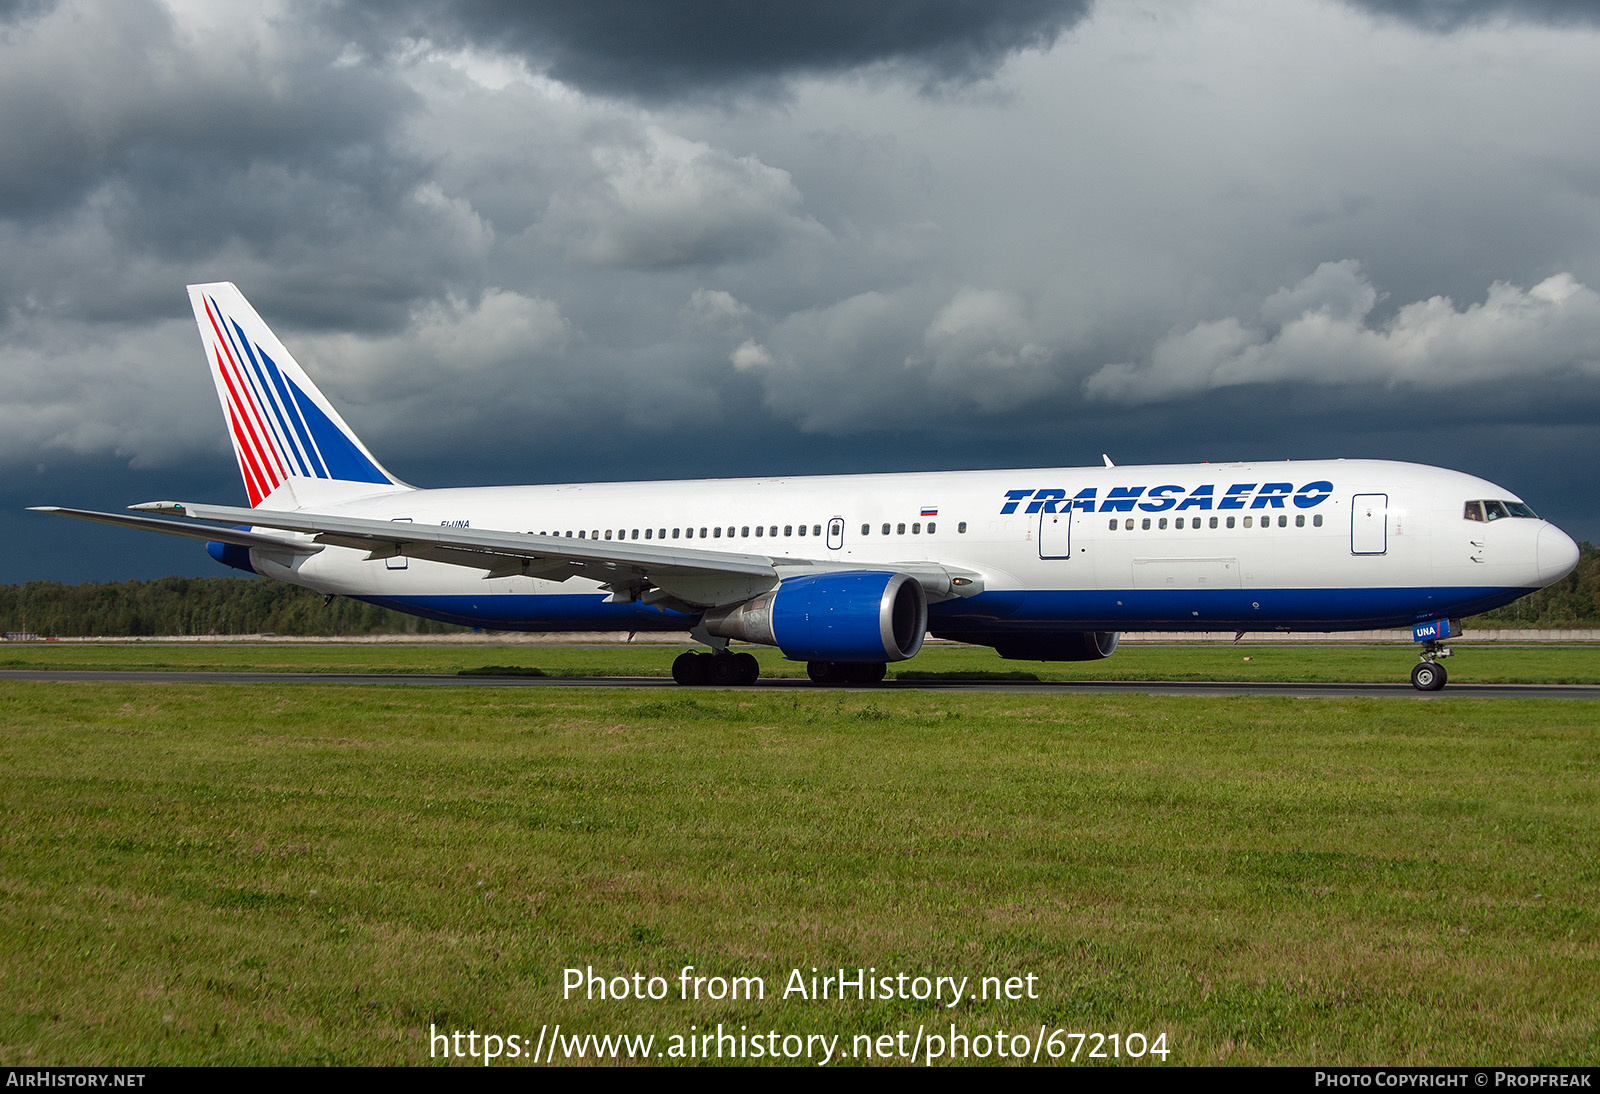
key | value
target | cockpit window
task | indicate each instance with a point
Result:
(1497, 510)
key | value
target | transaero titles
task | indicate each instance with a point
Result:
(1159, 499)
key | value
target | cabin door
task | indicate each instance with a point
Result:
(1369, 524)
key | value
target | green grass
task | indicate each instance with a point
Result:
(1333, 663)
(315, 874)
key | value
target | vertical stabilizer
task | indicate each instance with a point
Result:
(283, 429)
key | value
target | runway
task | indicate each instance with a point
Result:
(1082, 687)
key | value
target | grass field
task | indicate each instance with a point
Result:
(318, 874)
(1334, 663)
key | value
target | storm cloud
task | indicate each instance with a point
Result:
(557, 242)
(641, 49)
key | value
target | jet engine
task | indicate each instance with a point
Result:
(850, 616)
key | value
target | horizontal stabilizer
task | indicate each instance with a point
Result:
(210, 533)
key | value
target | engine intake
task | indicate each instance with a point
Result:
(851, 616)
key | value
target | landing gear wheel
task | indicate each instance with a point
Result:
(1428, 676)
(822, 672)
(690, 668)
(747, 666)
(723, 670)
(870, 672)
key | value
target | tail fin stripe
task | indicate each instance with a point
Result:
(261, 409)
(315, 465)
(248, 412)
(252, 476)
(269, 397)
(271, 474)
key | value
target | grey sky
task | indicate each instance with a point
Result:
(513, 245)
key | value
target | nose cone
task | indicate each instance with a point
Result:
(1557, 554)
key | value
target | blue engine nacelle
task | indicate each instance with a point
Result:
(852, 616)
(230, 554)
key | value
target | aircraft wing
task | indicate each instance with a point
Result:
(683, 577)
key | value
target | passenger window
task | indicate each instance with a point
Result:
(816, 529)
(580, 535)
(730, 533)
(647, 533)
(661, 533)
(1299, 520)
(1178, 524)
(745, 531)
(716, 533)
(885, 529)
(1127, 525)
(1316, 521)
(961, 529)
(1283, 522)
(916, 529)
(802, 529)
(1213, 522)
(1113, 524)
(930, 527)
(635, 534)
(758, 531)
(1230, 522)
(1162, 525)
(675, 532)
(788, 529)
(1144, 525)
(1246, 521)
(900, 529)
(702, 533)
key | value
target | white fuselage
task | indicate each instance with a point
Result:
(1319, 545)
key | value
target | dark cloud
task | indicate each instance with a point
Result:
(650, 49)
(1447, 15)
(16, 11)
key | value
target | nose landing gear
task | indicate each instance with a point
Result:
(1429, 675)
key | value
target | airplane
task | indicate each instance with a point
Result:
(849, 573)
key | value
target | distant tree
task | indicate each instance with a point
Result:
(1574, 601)
(195, 606)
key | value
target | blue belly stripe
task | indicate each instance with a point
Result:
(1021, 610)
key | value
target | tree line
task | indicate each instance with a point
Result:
(195, 606)
(241, 605)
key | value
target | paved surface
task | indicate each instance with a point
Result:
(1396, 690)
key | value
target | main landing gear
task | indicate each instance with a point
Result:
(841, 672)
(722, 668)
(1429, 675)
